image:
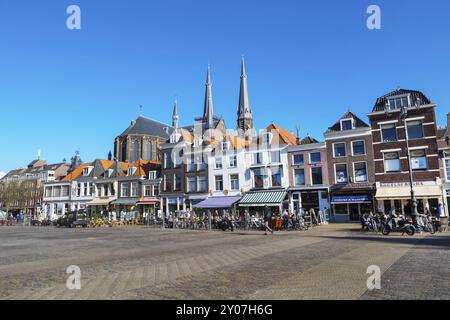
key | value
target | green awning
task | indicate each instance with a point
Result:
(125, 202)
(262, 198)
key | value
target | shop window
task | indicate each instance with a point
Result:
(340, 209)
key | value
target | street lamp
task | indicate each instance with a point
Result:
(404, 115)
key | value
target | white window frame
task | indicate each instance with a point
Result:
(293, 159)
(294, 180)
(423, 129)
(218, 160)
(354, 172)
(447, 171)
(396, 132)
(238, 182)
(401, 96)
(335, 173)
(399, 161)
(347, 119)
(310, 160)
(311, 175)
(215, 182)
(334, 150)
(234, 156)
(365, 148)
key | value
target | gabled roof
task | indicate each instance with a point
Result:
(441, 132)
(284, 135)
(308, 140)
(149, 127)
(415, 95)
(76, 173)
(348, 115)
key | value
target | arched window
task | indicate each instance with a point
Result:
(149, 151)
(136, 150)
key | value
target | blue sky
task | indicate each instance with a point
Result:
(307, 62)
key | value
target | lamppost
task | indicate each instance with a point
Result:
(414, 211)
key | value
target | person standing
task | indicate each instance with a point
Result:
(267, 219)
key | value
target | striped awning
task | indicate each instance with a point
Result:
(262, 198)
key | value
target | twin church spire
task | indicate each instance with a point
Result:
(244, 112)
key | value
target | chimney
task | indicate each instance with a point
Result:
(297, 140)
(448, 122)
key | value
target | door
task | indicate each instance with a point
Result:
(354, 212)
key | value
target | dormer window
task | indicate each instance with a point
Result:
(152, 175)
(87, 171)
(347, 124)
(132, 171)
(108, 173)
(397, 103)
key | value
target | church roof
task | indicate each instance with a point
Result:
(148, 127)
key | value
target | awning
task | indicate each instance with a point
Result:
(365, 198)
(262, 198)
(125, 202)
(99, 202)
(405, 192)
(149, 201)
(217, 203)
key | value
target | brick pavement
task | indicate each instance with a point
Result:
(139, 263)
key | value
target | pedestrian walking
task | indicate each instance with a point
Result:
(267, 219)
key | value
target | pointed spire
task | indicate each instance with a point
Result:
(175, 116)
(208, 111)
(244, 101)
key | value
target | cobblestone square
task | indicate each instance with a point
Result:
(328, 262)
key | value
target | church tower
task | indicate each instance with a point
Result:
(245, 117)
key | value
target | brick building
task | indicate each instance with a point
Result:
(390, 151)
(350, 168)
(141, 140)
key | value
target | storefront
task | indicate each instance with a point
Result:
(398, 196)
(98, 205)
(350, 207)
(308, 199)
(254, 202)
(149, 206)
(218, 205)
(129, 206)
